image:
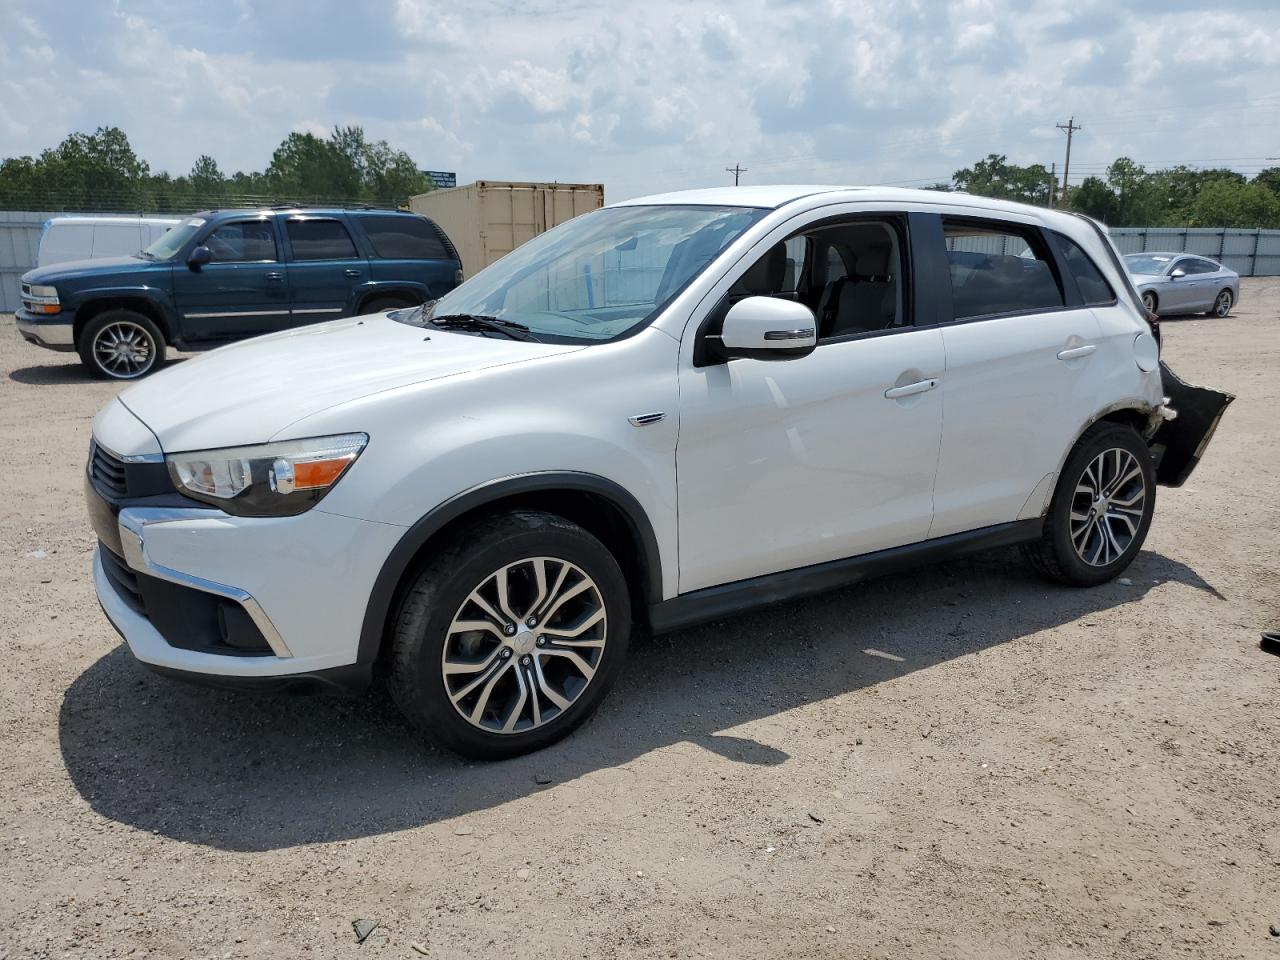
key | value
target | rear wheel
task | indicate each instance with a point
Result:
(1101, 509)
(383, 304)
(1222, 305)
(1149, 301)
(121, 345)
(511, 636)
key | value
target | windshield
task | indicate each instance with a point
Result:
(173, 241)
(600, 275)
(1150, 263)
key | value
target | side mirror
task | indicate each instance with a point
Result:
(199, 257)
(1177, 274)
(765, 328)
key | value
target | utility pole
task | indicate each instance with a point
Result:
(1053, 184)
(1068, 128)
(737, 170)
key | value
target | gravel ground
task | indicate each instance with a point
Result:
(963, 761)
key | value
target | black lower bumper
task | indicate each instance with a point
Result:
(1179, 444)
(349, 681)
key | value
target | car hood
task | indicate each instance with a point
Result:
(75, 269)
(248, 392)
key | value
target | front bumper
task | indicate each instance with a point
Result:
(53, 332)
(237, 600)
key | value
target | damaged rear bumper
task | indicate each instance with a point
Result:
(1188, 421)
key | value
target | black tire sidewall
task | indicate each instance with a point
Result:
(383, 304)
(95, 326)
(420, 635)
(1097, 439)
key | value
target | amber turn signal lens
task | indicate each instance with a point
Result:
(318, 474)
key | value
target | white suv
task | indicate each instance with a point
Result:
(661, 412)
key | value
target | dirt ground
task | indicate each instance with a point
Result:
(963, 761)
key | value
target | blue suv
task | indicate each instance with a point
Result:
(228, 274)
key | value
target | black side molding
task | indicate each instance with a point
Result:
(1179, 444)
(397, 563)
(713, 603)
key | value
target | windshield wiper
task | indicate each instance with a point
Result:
(475, 321)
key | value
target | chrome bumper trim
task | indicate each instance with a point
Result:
(51, 334)
(133, 544)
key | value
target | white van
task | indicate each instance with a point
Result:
(92, 238)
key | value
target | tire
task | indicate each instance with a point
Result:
(509, 722)
(382, 304)
(1150, 302)
(1075, 547)
(1222, 304)
(121, 345)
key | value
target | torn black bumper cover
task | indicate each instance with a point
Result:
(1180, 442)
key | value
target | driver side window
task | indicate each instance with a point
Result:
(849, 274)
(243, 241)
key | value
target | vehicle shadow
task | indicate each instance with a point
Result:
(71, 372)
(242, 772)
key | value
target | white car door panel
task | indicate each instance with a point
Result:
(784, 464)
(1013, 393)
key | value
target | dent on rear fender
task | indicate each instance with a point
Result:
(1180, 442)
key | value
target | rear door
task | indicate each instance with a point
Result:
(242, 292)
(411, 250)
(1020, 370)
(324, 267)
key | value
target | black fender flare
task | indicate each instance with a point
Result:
(387, 584)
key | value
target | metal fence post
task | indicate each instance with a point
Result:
(1253, 259)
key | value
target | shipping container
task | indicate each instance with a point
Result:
(490, 218)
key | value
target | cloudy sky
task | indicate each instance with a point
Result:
(659, 95)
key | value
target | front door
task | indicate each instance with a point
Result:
(324, 267)
(1020, 369)
(784, 464)
(243, 291)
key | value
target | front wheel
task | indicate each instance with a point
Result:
(121, 345)
(1149, 301)
(1101, 509)
(1222, 306)
(511, 636)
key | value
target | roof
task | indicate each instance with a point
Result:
(92, 220)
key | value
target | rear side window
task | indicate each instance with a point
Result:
(1200, 266)
(1093, 286)
(243, 241)
(404, 238)
(319, 240)
(998, 268)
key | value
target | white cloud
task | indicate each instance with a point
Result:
(655, 97)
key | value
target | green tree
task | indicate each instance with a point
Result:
(1094, 198)
(1231, 203)
(1269, 178)
(994, 176)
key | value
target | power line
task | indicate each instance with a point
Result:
(1069, 128)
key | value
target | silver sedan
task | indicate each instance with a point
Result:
(1172, 283)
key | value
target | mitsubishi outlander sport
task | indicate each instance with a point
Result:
(661, 412)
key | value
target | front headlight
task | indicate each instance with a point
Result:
(44, 293)
(270, 480)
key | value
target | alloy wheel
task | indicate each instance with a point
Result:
(1149, 301)
(124, 349)
(524, 645)
(1222, 306)
(1107, 507)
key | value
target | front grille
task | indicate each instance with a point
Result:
(108, 472)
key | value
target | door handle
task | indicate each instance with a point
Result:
(351, 272)
(275, 276)
(1075, 353)
(910, 389)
